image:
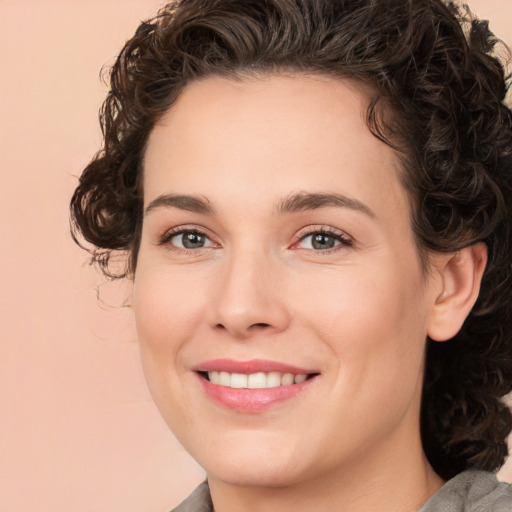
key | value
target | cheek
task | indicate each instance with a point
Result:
(167, 306)
(354, 300)
(168, 309)
(373, 322)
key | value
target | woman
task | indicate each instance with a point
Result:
(313, 197)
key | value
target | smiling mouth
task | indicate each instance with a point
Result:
(258, 380)
(253, 386)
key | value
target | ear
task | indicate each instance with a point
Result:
(456, 285)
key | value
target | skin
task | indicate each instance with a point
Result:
(358, 313)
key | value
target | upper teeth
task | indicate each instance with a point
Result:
(255, 380)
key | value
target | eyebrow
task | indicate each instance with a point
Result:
(299, 202)
(182, 202)
(304, 201)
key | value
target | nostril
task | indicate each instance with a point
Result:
(240, 330)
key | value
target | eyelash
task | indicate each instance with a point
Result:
(343, 239)
(339, 236)
(169, 235)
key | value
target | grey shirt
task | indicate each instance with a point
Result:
(469, 491)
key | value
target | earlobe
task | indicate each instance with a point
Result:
(457, 285)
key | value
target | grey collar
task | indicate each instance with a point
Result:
(469, 491)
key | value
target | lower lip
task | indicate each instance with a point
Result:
(252, 400)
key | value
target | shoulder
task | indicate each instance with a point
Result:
(198, 501)
(471, 491)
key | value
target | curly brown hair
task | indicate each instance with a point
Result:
(438, 99)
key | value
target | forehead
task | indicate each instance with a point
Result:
(263, 137)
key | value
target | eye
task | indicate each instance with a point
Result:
(323, 240)
(188, 239)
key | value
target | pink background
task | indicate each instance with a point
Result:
(78, 430)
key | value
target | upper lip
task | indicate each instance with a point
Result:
(248, 367)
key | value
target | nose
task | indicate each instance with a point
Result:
(249, 298)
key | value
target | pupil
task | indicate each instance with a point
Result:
(193, 240)
(321, 241)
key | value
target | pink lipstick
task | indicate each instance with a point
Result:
(252, 386)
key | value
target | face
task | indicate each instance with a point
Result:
(280, 301)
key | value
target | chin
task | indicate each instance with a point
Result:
(255, 464)
(263, 475)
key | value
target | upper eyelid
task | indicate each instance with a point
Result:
(169, 233)
(323, 229)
